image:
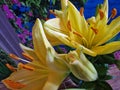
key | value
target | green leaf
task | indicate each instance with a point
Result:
(84, 1)
(4, 71)
(103, 85)
(108, 77)
(53, 1)
(108, 59)
(117, 63)
(101, 69)
(88, 85)
(96, 85)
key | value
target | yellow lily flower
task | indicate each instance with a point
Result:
(70, 28)
(46, 69)
(38, 74)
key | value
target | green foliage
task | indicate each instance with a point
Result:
(4, 71)
(96, 85)
(4, 59)
(117, 63)
(101, 63)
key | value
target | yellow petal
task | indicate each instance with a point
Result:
(55, 24)
(56, 62)
(85, 50)
(36, 62)
(54, 80)
(100, 24)
(57, 35)
(111, 30)
(31, 80)
(107, 49)
(105, 11)
(40, 41)
(74, 16)
(64, 4)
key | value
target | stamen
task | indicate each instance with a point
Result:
(81, 11)
(113, 12)
(69, 26)
(95, 30)
(13, 84)
(17, 58)
(14, 56)
(27, 56)
(78, 34)
(101, 14)
(10, 67)
(26, 67)
(52, 12)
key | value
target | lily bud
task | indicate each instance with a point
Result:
(81, 67)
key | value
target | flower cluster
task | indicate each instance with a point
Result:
(21, 18)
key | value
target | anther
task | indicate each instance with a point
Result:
(69, 25)
(52, 12)
(14, 56)
(76, 33)
(13, 84)
(113, 12)
(95, 30)
(27, 56)
(10, 67)
(101, 14)
(17, 58)
(26, 67)
(81, 11)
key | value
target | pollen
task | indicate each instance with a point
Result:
(28, 56)
(81, 11)
(101, 14)
(113, 12)
(13, 84)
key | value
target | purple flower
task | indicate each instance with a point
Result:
(23, 40)
(64, 50)
(117, 55)
(5, 7)
(30, 14)
(8, 12)
(10, 15)
(16, 2)
(26, 32)
(22, 37)
(19, 22)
